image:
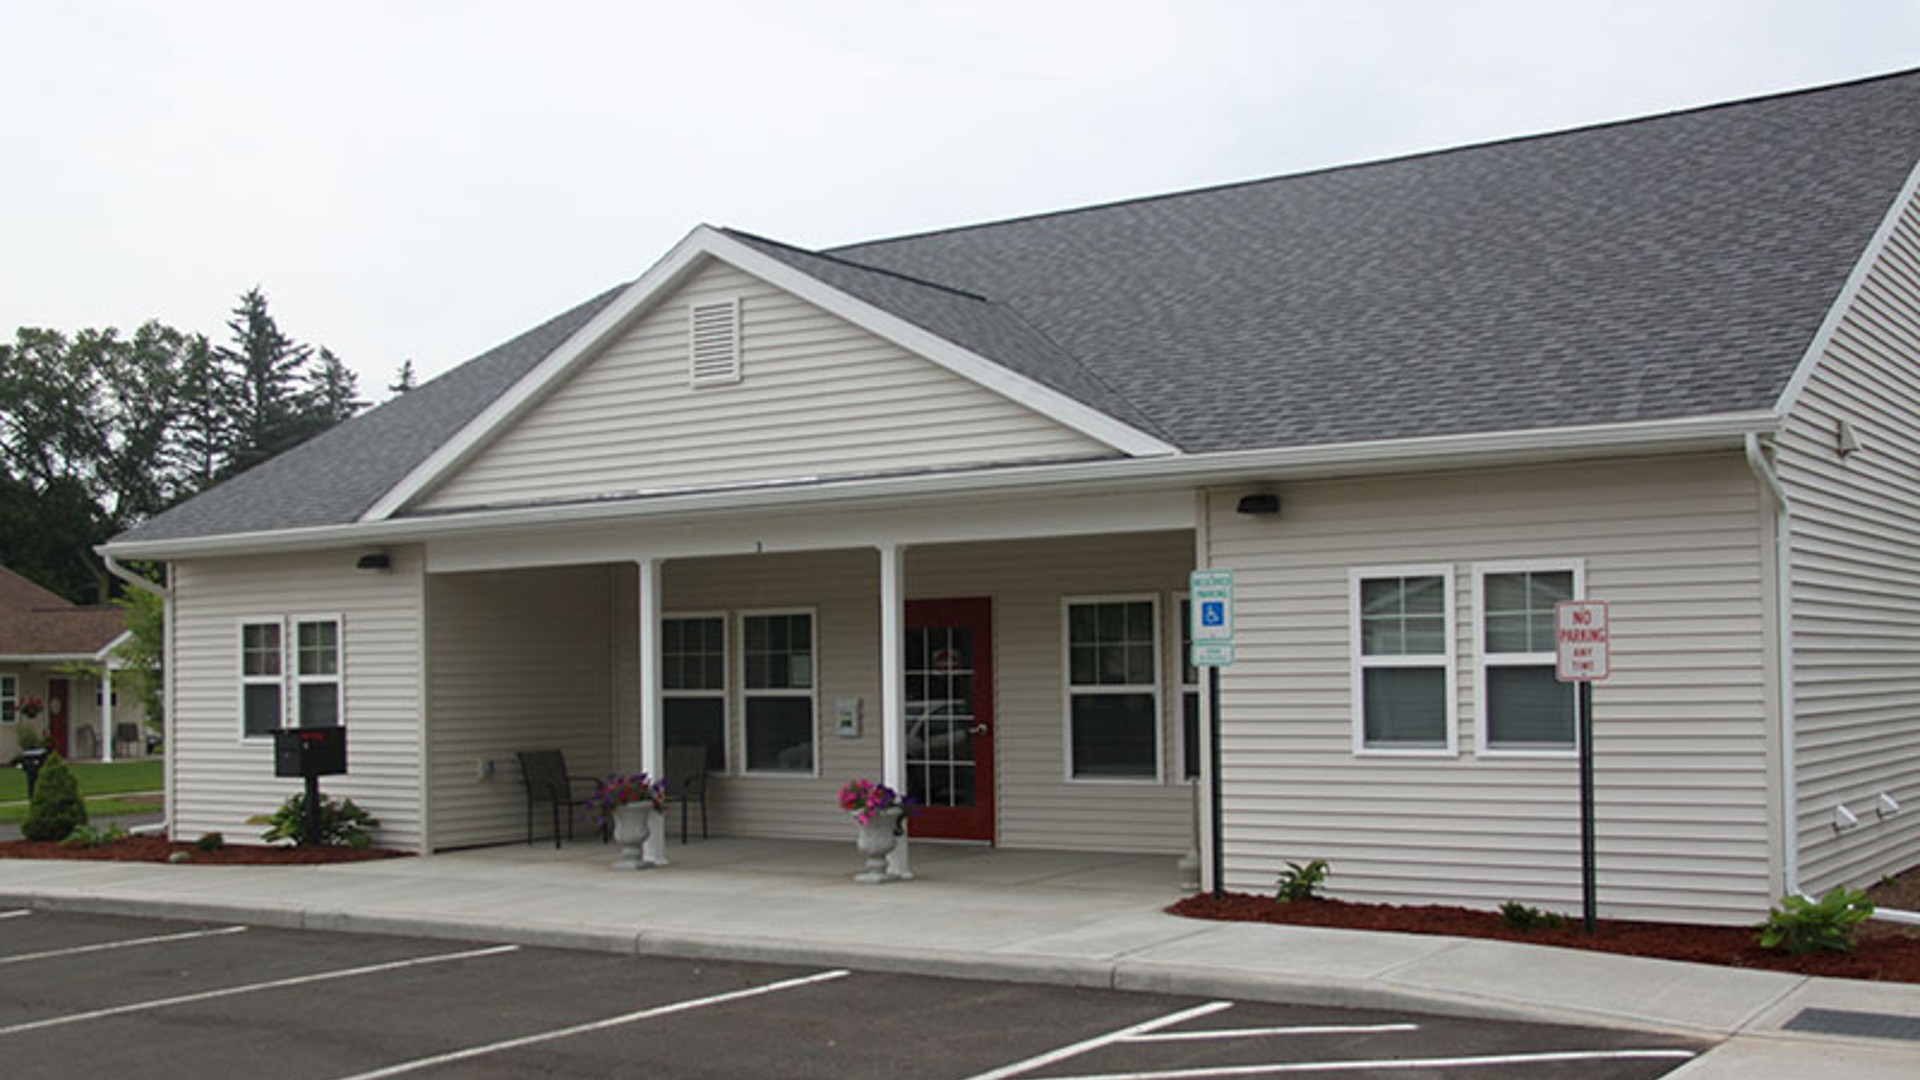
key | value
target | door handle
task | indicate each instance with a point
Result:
(982, 729)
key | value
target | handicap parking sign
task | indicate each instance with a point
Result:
(1213, 613)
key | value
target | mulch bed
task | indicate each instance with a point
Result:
(154, 849)
(1882, 952)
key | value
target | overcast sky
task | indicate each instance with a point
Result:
(415, 179)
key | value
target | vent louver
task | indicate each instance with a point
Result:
(714, 330)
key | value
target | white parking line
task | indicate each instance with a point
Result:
(16, 914)
(597, 1025)
(1259, 1033)
(128, 944)
(1395, 1064)
(1086, 1045)
(271, 984)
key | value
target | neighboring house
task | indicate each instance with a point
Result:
(926, 508)
(61, 655)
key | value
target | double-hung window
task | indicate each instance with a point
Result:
(9, 699)
(777, 691)
(290, 663)
(1521, 706)
(693, 684)
(1403, 660)
(1113, 688)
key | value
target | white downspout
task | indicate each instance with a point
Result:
(1783, 664)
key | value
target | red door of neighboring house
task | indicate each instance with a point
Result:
(59, 701)
(949, 700)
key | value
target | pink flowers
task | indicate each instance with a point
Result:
(613, 792)
(866, 800)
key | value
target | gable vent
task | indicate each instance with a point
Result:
(714, 331)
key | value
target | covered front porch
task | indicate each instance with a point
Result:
(1030, 691)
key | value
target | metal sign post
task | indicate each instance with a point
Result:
(1211, 600)
(1582, 657)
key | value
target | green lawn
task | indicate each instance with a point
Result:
(94, 778)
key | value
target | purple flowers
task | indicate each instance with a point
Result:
(612, 792)
(866, 800)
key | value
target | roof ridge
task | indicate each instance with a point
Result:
(842, 261)
(1397, 159)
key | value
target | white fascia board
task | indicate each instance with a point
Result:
(1856, 281)
(47, 658)
(660, 279)
(1725, 431)
(965, 363)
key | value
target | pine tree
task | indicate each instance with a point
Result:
(404, 379)
(266, 369)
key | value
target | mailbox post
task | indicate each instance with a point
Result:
(310, 753)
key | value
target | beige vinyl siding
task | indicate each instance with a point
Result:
(525, 660)
(219, 779)
(1682, 726)
(1856, 579)
(819, 397)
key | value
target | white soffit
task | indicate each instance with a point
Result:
(664, 276)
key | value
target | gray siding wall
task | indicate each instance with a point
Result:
(527, 659)
(819, 397)
(1683, 750)
(1856, 579)
(220, 779)
(520, 661)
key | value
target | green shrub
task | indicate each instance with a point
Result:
(341, 822)
(211, 841)
(88, 836)
(1299, 882)
(1521, 917)
(56, 809)
(1800, 925)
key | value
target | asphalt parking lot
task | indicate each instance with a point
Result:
(108, 996)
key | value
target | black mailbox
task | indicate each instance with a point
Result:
(314, 751)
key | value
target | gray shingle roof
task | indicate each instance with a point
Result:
(1667, 267)
(1660, 268)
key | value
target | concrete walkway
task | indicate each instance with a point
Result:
(1079, 919)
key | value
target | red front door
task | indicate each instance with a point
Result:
(59, 700)
(949, 670)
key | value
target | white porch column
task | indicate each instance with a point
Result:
(653, 753)
(106, 714)
(893, 688)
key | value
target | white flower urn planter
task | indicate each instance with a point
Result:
(876, 840)
(631, 823)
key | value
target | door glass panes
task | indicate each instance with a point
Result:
(940, 716)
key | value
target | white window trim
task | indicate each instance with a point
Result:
(1358, 662)
(1068, 692)
(289, 680)
(290, 641)
(724, 693)
(242, 680)
(1483, 660)
(9, 700)
(812, 693)
(1182, 628)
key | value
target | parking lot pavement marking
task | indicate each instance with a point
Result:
(1041, 1061)
(271, 984)
(1545, 1057)
(128, 944)
(597, 1025)
(1258, 1033)
(21, 913)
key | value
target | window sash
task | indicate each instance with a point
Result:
(1405, 701)
(779, 683)
(9, 699)
(1113, 677)
(262, 684)
(1521, 709)
(316, 680)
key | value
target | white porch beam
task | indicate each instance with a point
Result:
(653, 753)
(893, 687)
